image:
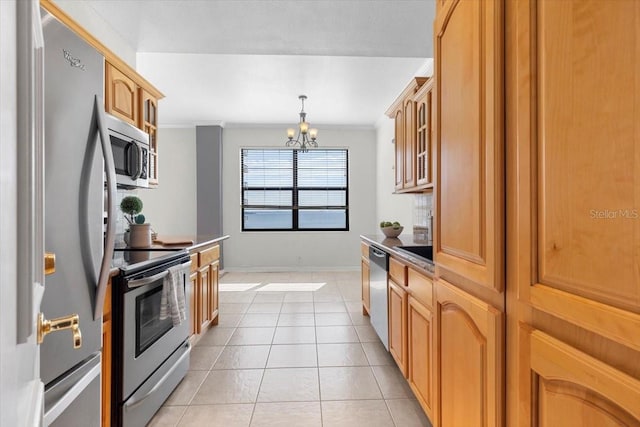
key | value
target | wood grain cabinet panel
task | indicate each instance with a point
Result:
(204, 289)
(194, 303)
(399, 148)
(409, 164)
(121, 95)
(574, 389)
(469, 128)
(365, 277)
(213, 303)
(574, 164)
(470, 359)
(107, 358)
(420, 353)
(398, 325)
(148, 122)
(424, 135)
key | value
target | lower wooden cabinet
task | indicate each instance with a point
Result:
(203, 292)
(573, 389)
(398, 325)
(365, 276)
(107, 354)
(420, 353)
(469, 358)
(194, 302)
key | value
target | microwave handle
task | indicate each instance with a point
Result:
(134, 161)
(110, 235)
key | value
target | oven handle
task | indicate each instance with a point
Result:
(136, 283)
(141, 282)
(133, 402)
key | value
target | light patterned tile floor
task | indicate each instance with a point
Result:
(291, 349)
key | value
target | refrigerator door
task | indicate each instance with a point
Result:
(73, 198)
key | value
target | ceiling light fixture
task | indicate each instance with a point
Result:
(306, 137)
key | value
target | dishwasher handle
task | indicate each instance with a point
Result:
(379, 257)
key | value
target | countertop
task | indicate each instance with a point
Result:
(186, 242)
(388, 244)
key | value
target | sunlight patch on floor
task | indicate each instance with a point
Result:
(291, 287)
(237, 287)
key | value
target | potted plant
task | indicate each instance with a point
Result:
(140, 232)
(391, 229)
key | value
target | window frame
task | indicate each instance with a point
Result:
(295, 220)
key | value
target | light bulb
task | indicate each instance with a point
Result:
(290, 133)
(313, 133)
(304, 127)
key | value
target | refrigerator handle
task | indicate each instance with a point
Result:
(110, 236)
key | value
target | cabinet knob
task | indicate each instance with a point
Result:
(72, 322)
(49, 263)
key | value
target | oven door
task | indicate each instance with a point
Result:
(148, 339)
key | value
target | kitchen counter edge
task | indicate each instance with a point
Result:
(388, 245)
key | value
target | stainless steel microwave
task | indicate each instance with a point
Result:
(130, 147)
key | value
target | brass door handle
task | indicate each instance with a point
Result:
(49, 263)
(61, 323)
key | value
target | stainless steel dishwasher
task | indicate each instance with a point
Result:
(379, 265)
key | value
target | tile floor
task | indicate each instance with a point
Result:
(291, 349)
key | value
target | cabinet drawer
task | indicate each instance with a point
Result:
(194, 262)
(421, 287)
(209, 255)
(364, 249)
(398, 272)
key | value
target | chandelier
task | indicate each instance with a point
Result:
(306, 137)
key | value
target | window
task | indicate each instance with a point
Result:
(284, 189)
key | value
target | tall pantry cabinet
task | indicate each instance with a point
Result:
(469, 219)
(573, 225)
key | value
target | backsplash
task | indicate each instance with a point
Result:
(422, 214)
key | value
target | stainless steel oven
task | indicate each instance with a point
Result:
(154, 352)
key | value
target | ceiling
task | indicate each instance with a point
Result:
(243, 62)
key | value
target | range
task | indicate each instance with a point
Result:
(151, 350)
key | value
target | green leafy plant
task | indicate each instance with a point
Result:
(131, 206)
(395, 224)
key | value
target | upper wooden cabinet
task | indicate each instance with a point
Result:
(403, 111)
(121, 95)
(573, 205)
(148, 122)
(134, 104)
(424, 135)
(469, 128)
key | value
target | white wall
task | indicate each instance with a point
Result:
(389, 206)
(171, 208)
(273, 251)
(90, 20)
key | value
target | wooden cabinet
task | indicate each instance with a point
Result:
(121, 95)
(364, 277)
(424, 135)
(398, 325)
(574, 389)
(469, 359)
(469, 128)
(403, 111)
(107, 357)
(204, 280)
(148, 122)
(137, 105)
(420, 340)
(420, 353)
(573, 164)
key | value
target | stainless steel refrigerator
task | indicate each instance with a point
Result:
(74, 176)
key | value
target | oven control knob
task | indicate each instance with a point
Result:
(49, 263)
(61, 323)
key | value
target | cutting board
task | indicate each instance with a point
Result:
(173, 241)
